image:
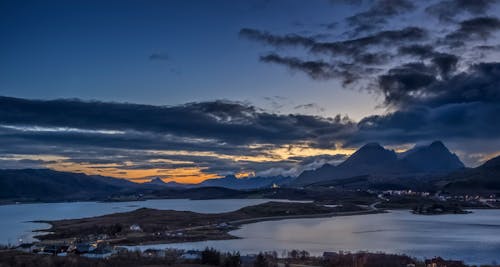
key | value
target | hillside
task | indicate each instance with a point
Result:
(433, 158)
(485, 178)
(232, 182)
(49, 185)
(375, 161)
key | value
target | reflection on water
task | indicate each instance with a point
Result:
(473, 238)
(15, 225)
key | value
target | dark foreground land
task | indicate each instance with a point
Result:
(168, 226)
(211, 257)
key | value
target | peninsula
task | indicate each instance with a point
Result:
(148, 226)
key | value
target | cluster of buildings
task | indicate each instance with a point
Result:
(404, 193)
(99, 248)
(440, 262)
(489, 200)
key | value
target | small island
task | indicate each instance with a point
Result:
(149, 226)
(438, 208)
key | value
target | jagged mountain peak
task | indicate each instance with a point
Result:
(373, 159)
(372, 145)
(435, 157)
(492, 163)
(371, 153)
(156, 180)
(438, 144)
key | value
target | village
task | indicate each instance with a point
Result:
(93, 254)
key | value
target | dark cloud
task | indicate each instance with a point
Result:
(445, 63)
(417, 50)
(359, 45)
(447, 10)
(310, 106)
(463, 121)
(350, 59)
(432, 82)
(345, 47)
(462, 107)
(378, 14)
(219, 121)
(473, 29)
(276, 40)
(416, 85)
(348, 73)
(126, 136)
(318, 70)
(404, 81)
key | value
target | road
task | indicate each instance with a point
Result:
(370, 210)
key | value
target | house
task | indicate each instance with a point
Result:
(330, 255)
(135, 228)
(101, 247)
(155, 253)
(440, 262)
(222, 225)
(191, 255)
(53, 248)
(80, 248)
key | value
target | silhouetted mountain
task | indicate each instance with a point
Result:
(483, 178)
(433, 158)
(48, 185)
(377, 162)
(369, 155)
(232, 182)
(157, 181)
(370, 159)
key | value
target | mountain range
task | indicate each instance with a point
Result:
(485, 178)
(49, 185)
(375, 161)
(372, 166)
(230, 181)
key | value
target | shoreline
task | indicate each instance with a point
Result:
(239, 223)
(224, 235)
(169, 226)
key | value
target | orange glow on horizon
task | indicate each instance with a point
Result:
(194, 174)
(187, 175)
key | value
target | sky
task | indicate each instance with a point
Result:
(192, 90)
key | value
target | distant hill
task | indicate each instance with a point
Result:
(377, 162)
(158, 182)
(44, 185)
(232, 182)
(49, 185)
(483, 178)
(433, 158)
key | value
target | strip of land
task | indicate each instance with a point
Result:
(149, 226)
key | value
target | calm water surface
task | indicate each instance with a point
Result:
(474, 238)
(15, 225)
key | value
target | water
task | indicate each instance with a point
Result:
(15, 220)
(474, 238)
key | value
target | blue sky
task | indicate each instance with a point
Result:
(189, 90)
(100, 50)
